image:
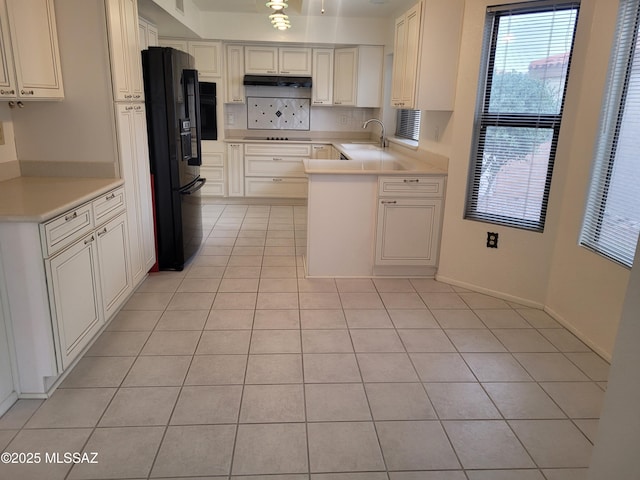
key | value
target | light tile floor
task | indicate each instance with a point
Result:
(239, 367)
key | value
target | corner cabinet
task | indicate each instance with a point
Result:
(409, 219)
(426, 54)
(358, 76)
(30, 58)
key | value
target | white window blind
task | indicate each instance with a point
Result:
(526, 57)
(408, 124)
(612, 218)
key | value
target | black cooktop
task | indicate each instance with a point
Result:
(279, 139)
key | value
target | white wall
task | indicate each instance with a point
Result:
(582, 290)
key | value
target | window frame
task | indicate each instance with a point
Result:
(484, 119)
(606, 149)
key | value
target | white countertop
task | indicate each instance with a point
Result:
(38, 199)
(369, 159)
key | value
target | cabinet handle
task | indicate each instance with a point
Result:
(276, 159)
(128, 96)
(26, 92)
(273, 71)
(128, 108)
(137, 96)
(89, 240)
(411, 180)
(284, 71)
(337, 103)
(102, 232)
(276, 179)
(7, 92)
(137, 107)
(71, 216)
(388, 202)
(110, 197)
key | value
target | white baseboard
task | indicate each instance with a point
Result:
(529, 303)
(487, 291)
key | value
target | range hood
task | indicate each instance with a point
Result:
(277, 81)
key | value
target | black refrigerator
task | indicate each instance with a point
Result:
(173, 126)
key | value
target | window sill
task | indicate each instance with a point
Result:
(405, 142)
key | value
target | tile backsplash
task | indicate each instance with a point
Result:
(281, 113)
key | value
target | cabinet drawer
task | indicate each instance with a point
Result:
(273, 166)
(276, 187)
(413, 186)
(63, 230)
(109, 205)
(278, 149)
(212, 159)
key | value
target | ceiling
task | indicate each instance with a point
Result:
(333, 8)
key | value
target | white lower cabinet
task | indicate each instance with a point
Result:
(235, 170)
(409, 219)
(132, 142)
(71, 276)
(115, 276)
(275, 170)
(74, 292)
(408, 231)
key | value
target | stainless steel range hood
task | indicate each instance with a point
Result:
(277, 81)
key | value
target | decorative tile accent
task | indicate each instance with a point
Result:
(265, 113)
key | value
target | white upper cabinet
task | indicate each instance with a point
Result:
(147, 34)
(208, 57)
(260, 60)
(234, 74)
(322, 79)
(178, 44)
(30, 57)
(124, 50)
(294, 61)
(358, 76)
(426, 52)
(405, 58)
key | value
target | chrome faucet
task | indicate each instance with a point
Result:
(383, 138)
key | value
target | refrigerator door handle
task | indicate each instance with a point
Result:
(193, 111)
(193, 187)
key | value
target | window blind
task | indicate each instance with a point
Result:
(527, 53)
(612, 218)
(408, 124)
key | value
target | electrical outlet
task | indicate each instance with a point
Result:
(344, 120)
(492, 240)
(231, 119)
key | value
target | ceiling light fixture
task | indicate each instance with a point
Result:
(277, 4)
(280, 21)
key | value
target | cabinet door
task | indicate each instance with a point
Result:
(134, 165)
(345, 76)
(235, 170)
(322, 82)
(260, 60)
(124, 50)
(174, 43)
(235, 74)
(8, 87)
(7, 390)
(321, 152)
(405, 58)
(208, 56)
(34, 41)
(408, 231)
(75, 297)
(294, 61)
(113, 259)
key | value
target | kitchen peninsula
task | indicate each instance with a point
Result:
(377, 213)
